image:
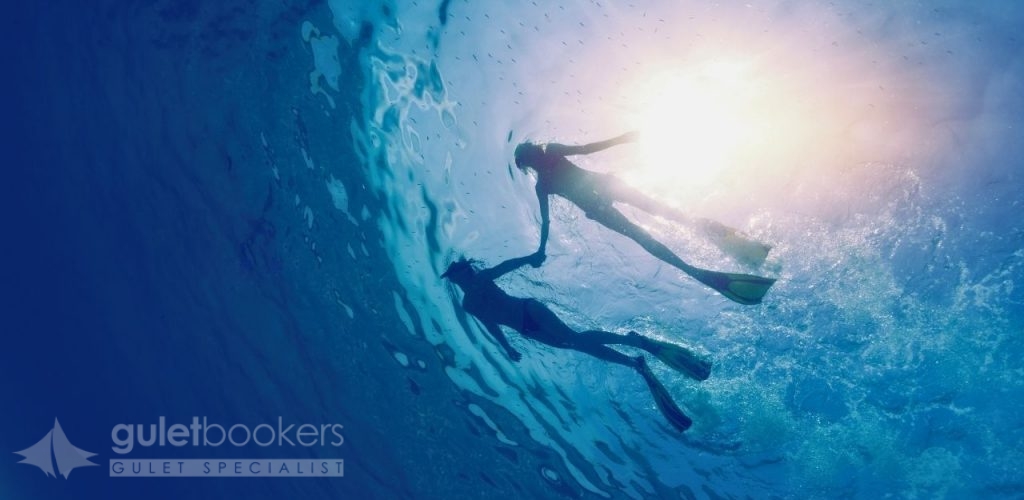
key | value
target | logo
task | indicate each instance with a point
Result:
(55, 447)
(202, 434)
(54, 454)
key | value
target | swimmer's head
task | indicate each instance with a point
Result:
(527, 154)
(460, 270)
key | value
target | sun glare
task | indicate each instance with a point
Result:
(722, 127)
(692, 125)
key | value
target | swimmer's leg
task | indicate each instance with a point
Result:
(742, 288)
(551, 330)
(543, 325)
(579, 343)
(675, 356)
(731, 241)
(612, 218)
(663, 399)
(550, 324)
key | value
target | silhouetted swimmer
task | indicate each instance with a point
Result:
(532, 319)
(594, 193)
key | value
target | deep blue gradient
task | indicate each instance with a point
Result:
(196, 226)
(145, 274)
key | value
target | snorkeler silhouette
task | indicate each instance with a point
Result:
(532, 319)
(594, 193)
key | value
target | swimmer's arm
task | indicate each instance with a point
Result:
(499, 335)
(504, 268)
(585, 149)
(545, 225)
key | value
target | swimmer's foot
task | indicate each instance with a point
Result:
(737, 245)
(676, 357)
(663, 399)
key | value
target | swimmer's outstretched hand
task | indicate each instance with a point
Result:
(536, 259)
(631, 136)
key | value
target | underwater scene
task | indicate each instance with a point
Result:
(523, 249)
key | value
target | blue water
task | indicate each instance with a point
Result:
(241, 210)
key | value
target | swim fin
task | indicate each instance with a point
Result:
(746, 289)
(663, 399)
(677, 357)
(736, 244)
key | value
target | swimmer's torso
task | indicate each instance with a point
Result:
(487, 301)
(558, 175)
